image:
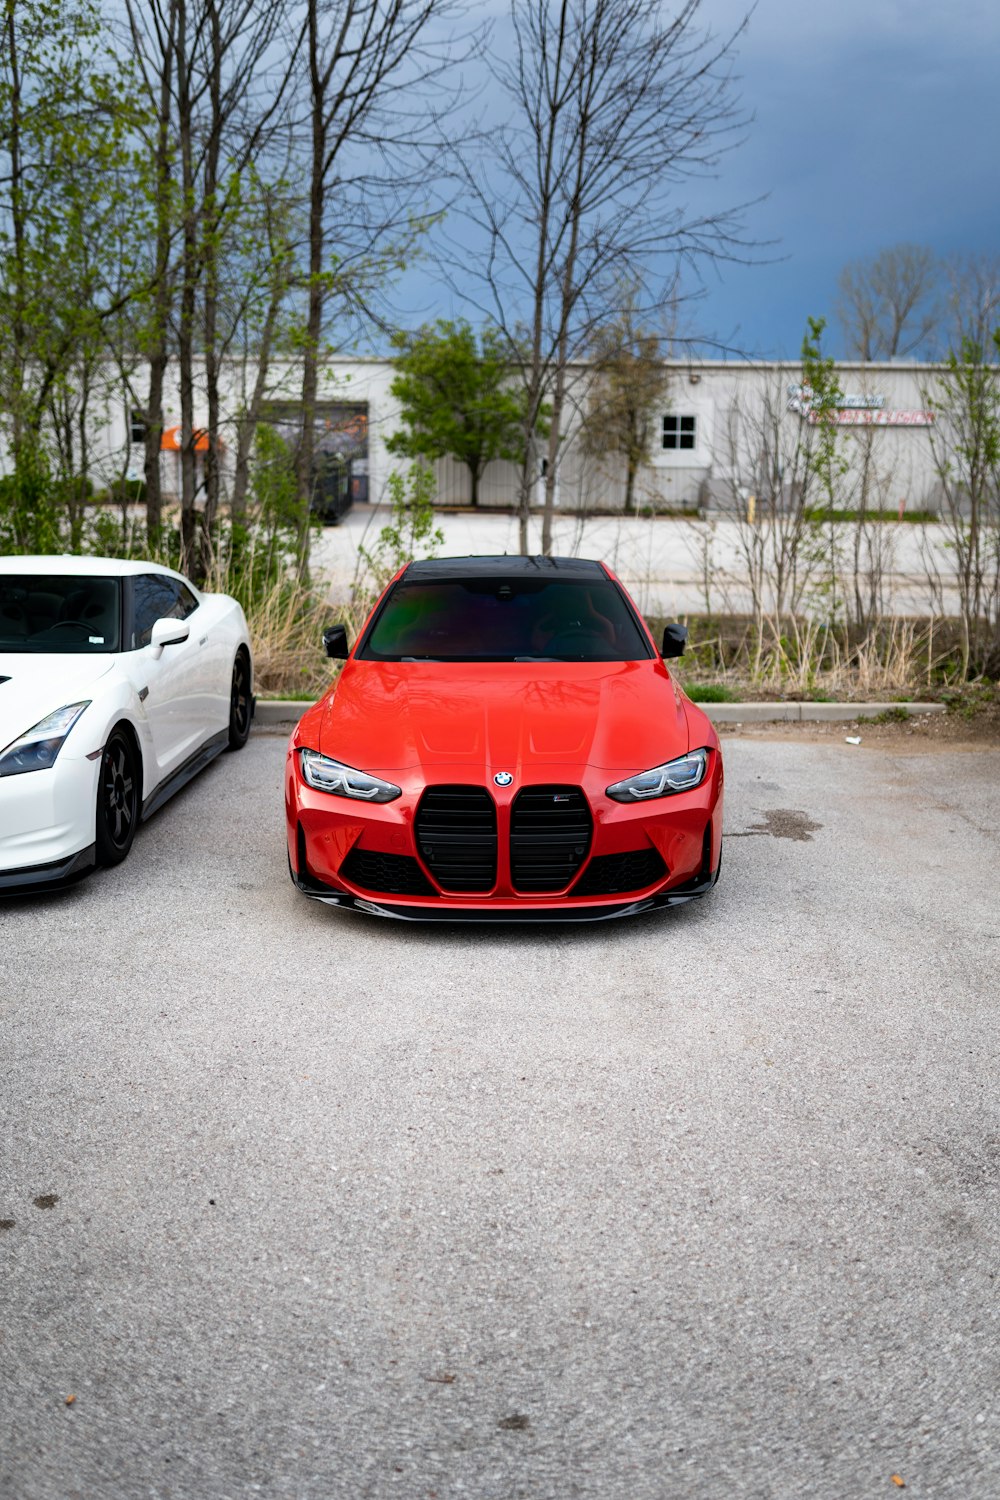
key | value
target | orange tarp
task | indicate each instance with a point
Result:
(170, 442)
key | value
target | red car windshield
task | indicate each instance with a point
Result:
(504, 619)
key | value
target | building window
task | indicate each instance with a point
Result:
(138, 427)
(678, 432)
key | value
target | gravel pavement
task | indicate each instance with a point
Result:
(301, 1204)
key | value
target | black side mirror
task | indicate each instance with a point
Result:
(674, 640)
(335, 642)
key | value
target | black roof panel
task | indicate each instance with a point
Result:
(506, 566)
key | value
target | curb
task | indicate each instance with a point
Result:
(289, 711)
(279, 710)
(810, 713)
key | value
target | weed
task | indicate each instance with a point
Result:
(887, 716)
(710, 692)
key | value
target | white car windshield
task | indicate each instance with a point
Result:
(59, 613)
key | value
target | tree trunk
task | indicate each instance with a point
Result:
(314, 316)
(630, 472)
(247, 424)
(526, 484)
(157, 352)
(210, 261)
(18, 225)
(82, 491)
(190, 552)
(154, 435)
(552, 468)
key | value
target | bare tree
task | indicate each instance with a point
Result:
(770, 481)
(888, 305)
(370, 67)
(973, 299)
(153, 34)
(965, 442)
(612, 104)
(206, 66)
(260, 321)
(627, 393)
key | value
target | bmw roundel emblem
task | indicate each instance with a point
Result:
(503, 778)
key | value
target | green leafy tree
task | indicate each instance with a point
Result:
(457, 398)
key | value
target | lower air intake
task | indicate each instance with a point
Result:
(550, 829)
(389, 874)
(613, 874)
(456, 831)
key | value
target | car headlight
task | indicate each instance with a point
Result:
(37, 748)
(328, 775)
(680, 775)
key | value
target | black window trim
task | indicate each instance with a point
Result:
(128, 602)
(685, 425)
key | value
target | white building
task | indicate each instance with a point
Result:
(726, 431)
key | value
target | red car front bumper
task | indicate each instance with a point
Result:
(558, 850)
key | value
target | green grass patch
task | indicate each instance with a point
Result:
(710, 692)
(914, 517)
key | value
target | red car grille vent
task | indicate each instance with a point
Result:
(456, 831)
(611, 874)
(550, 831)
(390, 874)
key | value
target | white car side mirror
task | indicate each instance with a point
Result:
(168, 633)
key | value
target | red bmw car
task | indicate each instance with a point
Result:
(504, 743)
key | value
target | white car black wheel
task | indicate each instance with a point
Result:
(240, 703)
(117, 799)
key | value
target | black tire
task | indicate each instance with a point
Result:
(119, 790)
(240, 702)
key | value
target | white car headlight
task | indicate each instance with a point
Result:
(328, 775)
(37, 748)
(680, 775)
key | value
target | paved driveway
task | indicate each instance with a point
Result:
(663, 562)
(704, 1205)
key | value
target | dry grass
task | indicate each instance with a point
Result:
(286, 628)
(790, 658)
(803, 658)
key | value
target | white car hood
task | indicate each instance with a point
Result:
(39, 684)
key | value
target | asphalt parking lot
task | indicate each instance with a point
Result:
(300, 1204)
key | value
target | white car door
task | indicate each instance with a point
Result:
(216, 629)
(171, 683)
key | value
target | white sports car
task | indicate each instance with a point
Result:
(119, 681)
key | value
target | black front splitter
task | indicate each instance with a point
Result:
(378, 907)
(41, 879)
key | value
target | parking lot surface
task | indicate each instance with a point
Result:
(301, 1204)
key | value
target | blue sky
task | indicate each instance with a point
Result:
(874, 123)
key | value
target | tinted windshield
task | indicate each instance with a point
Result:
(59, 613)
(505, 619)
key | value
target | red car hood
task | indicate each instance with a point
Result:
(514, 716)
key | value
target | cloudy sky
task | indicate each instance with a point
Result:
(874, 122)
